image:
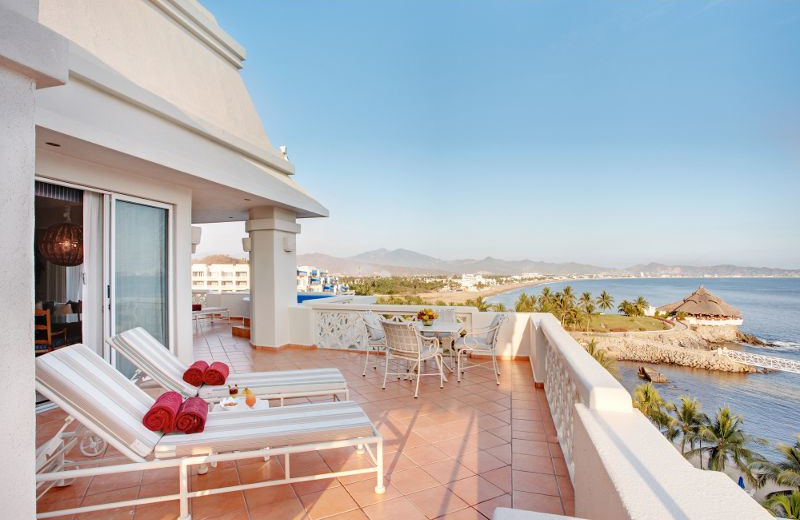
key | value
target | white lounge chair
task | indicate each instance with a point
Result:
(155, 360)
(112, 407)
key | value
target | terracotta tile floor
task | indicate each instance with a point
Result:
(453, 453)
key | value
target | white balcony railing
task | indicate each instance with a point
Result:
(621, 466)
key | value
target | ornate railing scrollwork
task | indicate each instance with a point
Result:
(562, 394)
(342, 330)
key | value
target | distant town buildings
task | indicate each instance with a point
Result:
(231, 276)
(221, 277)
(475, 282)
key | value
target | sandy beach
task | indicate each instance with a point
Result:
(463, 296)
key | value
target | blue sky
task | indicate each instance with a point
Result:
(604, 132)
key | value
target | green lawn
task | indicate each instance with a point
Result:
(620, 323)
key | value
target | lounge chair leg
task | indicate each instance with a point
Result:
(202, 469)
(184, 492)
(366, 362)
(360, 449)
(385, 373)
(458, 366)
(379, 489)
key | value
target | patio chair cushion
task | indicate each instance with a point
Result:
(316, 380)
(103, 399)
(154, 359)
(285, 426)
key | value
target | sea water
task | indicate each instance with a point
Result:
(769, 403)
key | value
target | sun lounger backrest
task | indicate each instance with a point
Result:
(100, 397)
(154, 359)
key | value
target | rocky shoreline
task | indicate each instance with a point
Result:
(695, 347)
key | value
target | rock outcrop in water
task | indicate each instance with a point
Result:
(694, 348)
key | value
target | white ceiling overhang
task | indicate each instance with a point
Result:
(103, 117)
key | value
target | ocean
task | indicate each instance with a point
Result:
(769, 403)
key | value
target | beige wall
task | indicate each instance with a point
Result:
(137, 39)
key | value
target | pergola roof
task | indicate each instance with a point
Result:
(702, 302)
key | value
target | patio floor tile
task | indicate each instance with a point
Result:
(448, 454)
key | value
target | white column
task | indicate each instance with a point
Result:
(273, 269)
(23, 69)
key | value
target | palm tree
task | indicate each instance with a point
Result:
(587, 306)
(726, 440)
(568, 295)
(481, 304)
(545, 300)
(525, 303)
(687, 421)
(786, 472)
(641, 305)
(599, 355)
(625, 307)
(784, 506)
(648, 401)
(605, 301)
(498, 307)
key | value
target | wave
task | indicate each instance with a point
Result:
(792, 346)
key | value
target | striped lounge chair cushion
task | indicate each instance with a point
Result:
(274, 427)
(154, 359)
(321, 380)
(101, 397)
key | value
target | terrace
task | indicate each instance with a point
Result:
(453, 453)
(456, 452)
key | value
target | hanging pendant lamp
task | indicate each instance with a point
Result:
(62, 244)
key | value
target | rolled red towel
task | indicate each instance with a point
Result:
(216, 374)
(196, 307)
(194, 374)
(162, 415)
(192, 416)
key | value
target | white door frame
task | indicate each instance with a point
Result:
(110, 292)
(108, 246)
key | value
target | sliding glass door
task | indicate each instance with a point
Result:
(140, 260)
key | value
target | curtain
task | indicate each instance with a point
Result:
(91, 275)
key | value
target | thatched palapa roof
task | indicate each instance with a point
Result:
(702, 302)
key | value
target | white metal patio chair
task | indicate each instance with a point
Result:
(405, 343)
(156, 361)
(482, 341)
(108, 404)
(376, 339)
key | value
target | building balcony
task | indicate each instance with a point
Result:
(557, 435)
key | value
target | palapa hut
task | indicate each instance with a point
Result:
(703, 307)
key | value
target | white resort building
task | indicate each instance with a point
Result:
(126, 123)
(221, 277)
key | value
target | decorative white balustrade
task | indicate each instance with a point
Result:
(343, 328)
(561, 396)
(762, 361)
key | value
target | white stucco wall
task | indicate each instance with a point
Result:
(31, 57)
(54, 165)
(139, 40)
(18, 427)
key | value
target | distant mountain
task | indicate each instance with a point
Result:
(710, 270)
(219, 259)
(353, 267)
(406, 262)
(403, 262)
